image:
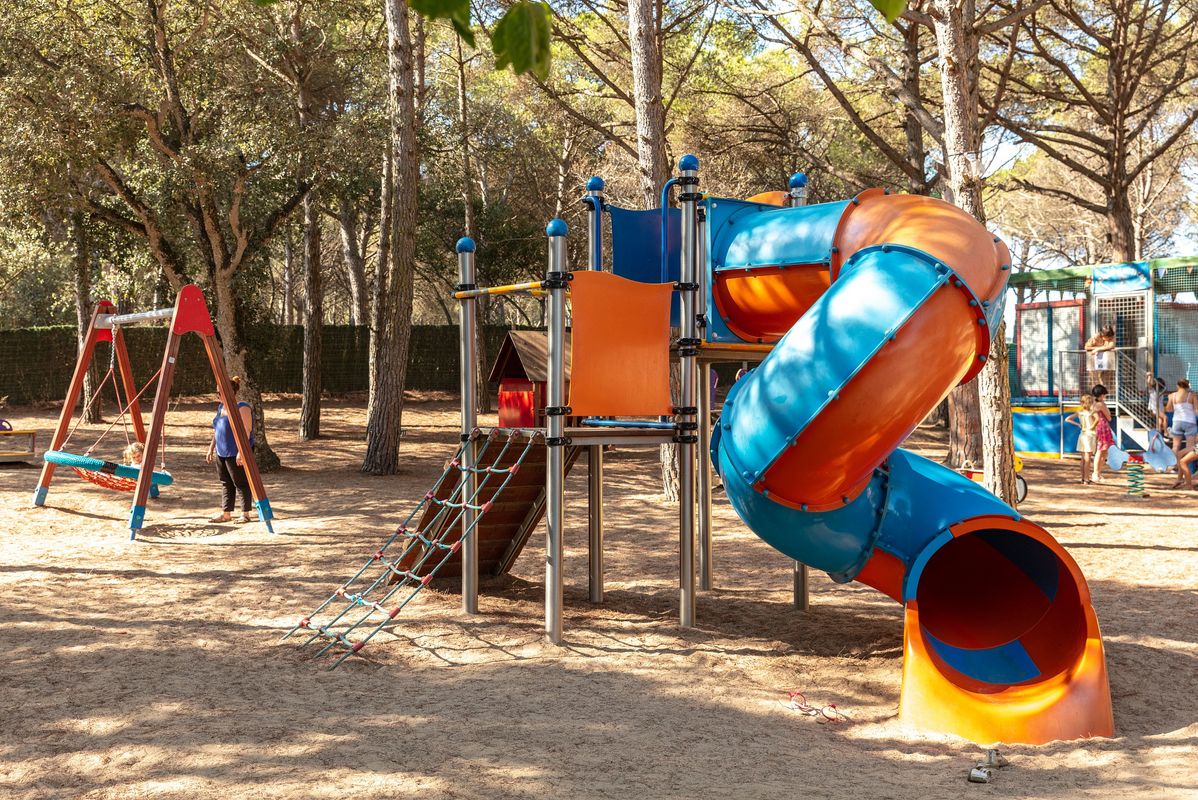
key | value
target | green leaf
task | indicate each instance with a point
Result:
(521, 39)
(891, 9)
(456, 11)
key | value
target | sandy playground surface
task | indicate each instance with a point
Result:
(154, 669)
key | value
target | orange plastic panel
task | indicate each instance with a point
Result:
(763, 304)
(771, 198)
(837, 453)
(620, 347)
(934, 226)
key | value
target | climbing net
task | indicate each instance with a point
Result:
(411, 557)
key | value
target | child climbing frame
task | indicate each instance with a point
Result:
(189, 314)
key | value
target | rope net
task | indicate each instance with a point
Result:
(413, 554)
(114, 482)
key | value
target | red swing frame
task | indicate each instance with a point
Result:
(190, 315)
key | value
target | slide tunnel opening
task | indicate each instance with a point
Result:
(1000, 608)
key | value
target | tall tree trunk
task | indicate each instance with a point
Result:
(391, 317)
(309, 420)
(81, 259)
(988, 399)
(353, 252)
(645, 43)
(916, 153)
(652, 162)
(1121, 229)
(288, 278)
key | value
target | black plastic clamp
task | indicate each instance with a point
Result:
(557, 441)
(687, 180)
(690, 197)
(465, 287)
(687, 439)
(689, 286)
(465, 437)
(557, 280)
(594, 202)
(686, 426)
(681, 411)
(558, 411)
(688, 352)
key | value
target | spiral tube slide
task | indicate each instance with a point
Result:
(880, 306)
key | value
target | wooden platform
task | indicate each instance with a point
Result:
(504, 530)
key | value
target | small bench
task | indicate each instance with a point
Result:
(16, 445)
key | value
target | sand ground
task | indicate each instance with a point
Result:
(154, 668)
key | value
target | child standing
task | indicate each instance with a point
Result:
(1087, 441)
(1102, 430)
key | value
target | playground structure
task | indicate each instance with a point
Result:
(861, 315)
(188, 315)
(1153, 309)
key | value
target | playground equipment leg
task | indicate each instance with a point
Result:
(595, 519)
(802, 599)
(469, 421)
(688, 351)
(704, 520)
(555, 429)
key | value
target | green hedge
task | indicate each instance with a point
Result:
(36, 363)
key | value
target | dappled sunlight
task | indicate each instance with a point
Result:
(154, 668)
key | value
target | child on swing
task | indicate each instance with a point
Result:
(1086, 418)
(134, 454)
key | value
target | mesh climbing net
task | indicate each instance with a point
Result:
(413, 554)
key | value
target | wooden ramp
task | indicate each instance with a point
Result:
(504, 529)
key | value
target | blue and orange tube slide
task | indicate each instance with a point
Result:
(877, 307)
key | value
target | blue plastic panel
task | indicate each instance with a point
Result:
(875, 294)
(636, 248)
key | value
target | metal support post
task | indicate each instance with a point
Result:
(594, 201)
(467, 328)
(555, 418)
(802, 597)
(798, 189)
(706, 403)
(687, 417)
(705, 472)
(595, 520)
(798, 197)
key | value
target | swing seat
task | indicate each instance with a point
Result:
(119, 477)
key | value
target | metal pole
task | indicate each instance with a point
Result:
(594, 201)
(555, 440)
(595, 526)
(798, 197)
(706, 402)
(688, 351)
(468, 357)
(798, 189)
(113, 320)
(802, 599)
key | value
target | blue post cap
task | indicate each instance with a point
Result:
(466, 245)
(688, 163)
(595, 184)
(798, 180)
(557, 227)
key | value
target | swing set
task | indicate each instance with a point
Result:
(189, 314)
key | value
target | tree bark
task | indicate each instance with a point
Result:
(232, 340)
(1121, 229)
(288, 279)
(988, 399)
(353, 252)
(391, 318)
(81, 259)
(309, 420)
(645, 44)
(916, 152)
(653, 165)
